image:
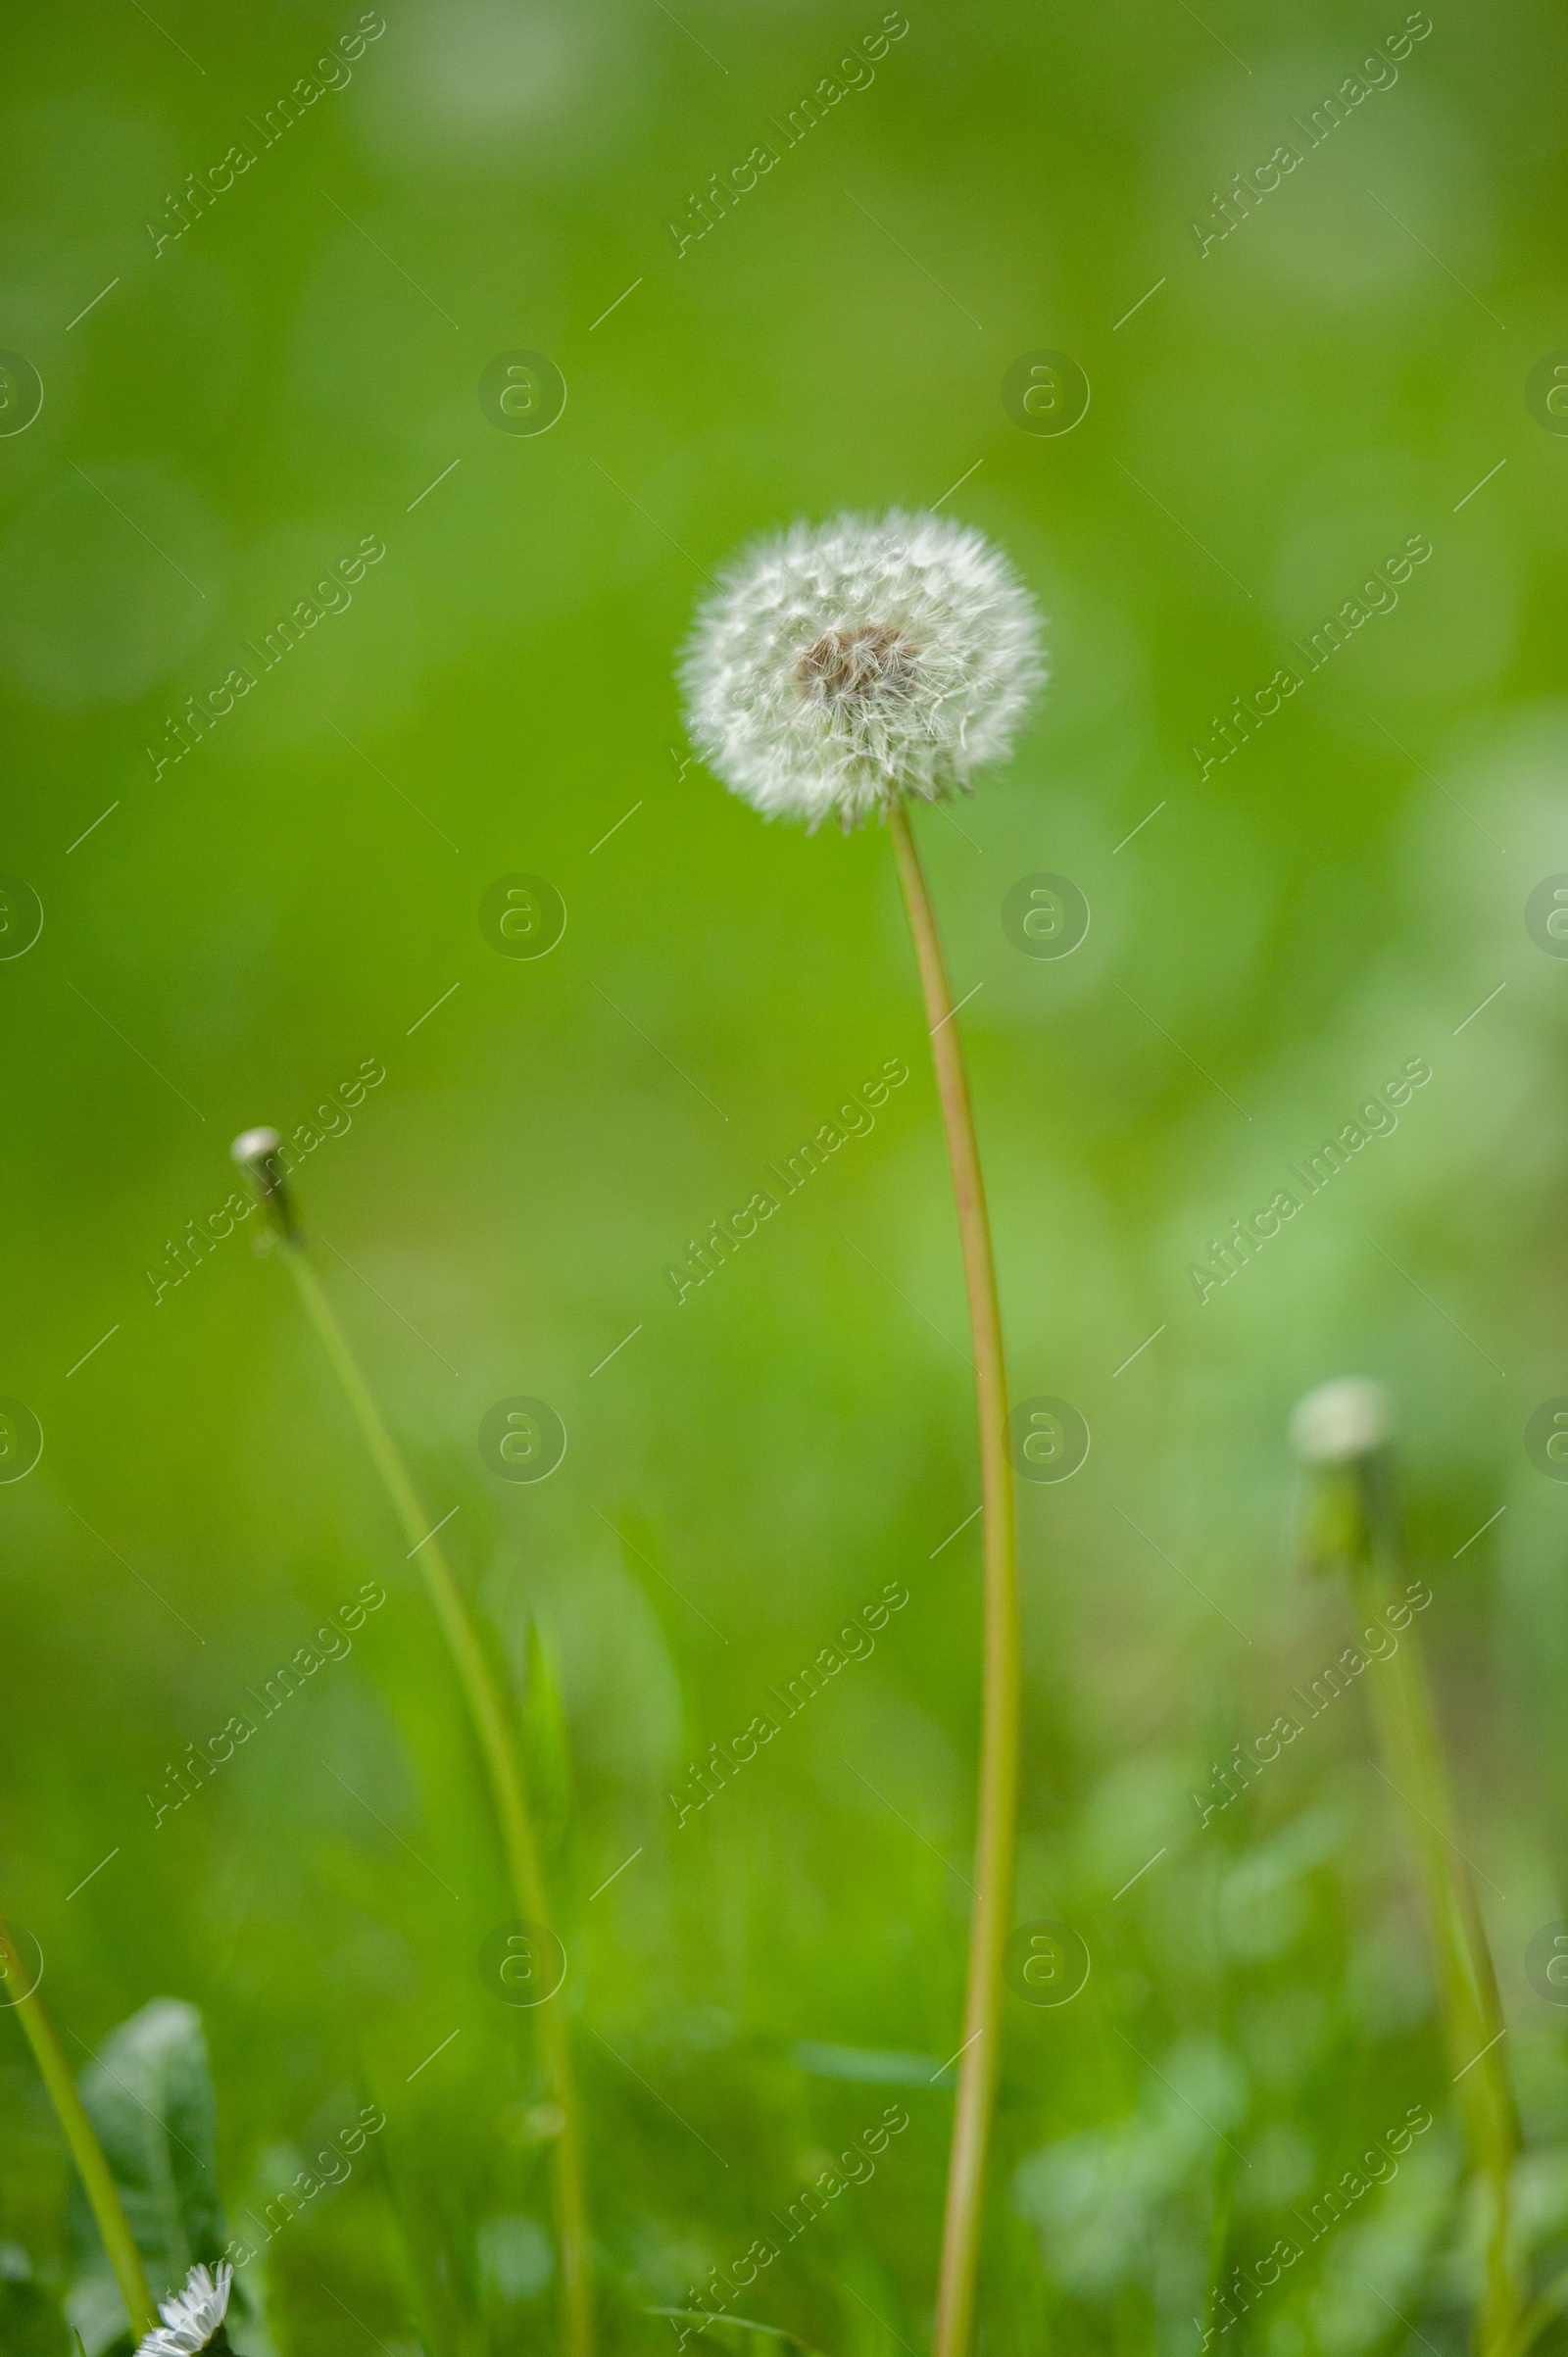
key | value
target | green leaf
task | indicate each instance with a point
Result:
(149, 2094)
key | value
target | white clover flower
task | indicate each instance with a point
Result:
(191, 2317)
(841, 665)
(1341, 1420)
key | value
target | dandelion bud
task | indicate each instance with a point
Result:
(260, 1154)
(1341, 1421)
(840, 666)
(1340, 1431)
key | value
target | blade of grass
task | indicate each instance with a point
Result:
(1408, 1722)
(96, 2176)
(1355, 1524)
(258, 1152)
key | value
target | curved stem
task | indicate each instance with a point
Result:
(999, 1738)
(490, 1725)
(96, 2176)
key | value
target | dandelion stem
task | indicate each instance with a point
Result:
(97, 2178)
(999, 1738)
(1467, 1980)
(490, 1725)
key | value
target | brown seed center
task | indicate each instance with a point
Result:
(857, 665)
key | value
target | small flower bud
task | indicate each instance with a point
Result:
(1341, 1421)
(1350, 1514)
(260, 1154)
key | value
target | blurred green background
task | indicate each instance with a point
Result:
(225, 942)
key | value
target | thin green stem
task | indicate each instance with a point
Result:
(1467, 1980)
(96, 2176)
(1000, 1709)
(491, 1727)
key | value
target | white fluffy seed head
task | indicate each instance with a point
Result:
(1341, 1421)
(841, 665)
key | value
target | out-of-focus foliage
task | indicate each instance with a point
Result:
(236, 936)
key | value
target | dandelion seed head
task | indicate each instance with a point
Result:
(190, 2317)
(840, 666)
(1341, 1420)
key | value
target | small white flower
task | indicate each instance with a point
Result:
(841, 665)
(191, 2317)
(1341, 1420)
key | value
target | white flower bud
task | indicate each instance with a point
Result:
(260, 1153)
(843, 664)
(253, 1146)
(1341, 1421)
